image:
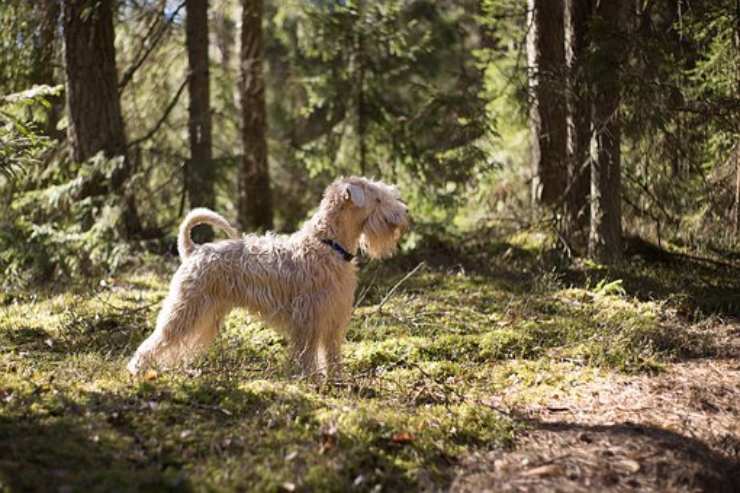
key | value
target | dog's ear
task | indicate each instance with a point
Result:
(356, 194)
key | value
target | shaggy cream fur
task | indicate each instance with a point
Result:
(295, 283)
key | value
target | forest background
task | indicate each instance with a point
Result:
(589, 121)
(563, 314)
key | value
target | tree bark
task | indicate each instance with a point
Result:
(737, 189)
(546, 60)
(577, 16)
(199, 172)
(92, 93)
(605, 238)
(95, 120)
(255, 202)
(737, 88)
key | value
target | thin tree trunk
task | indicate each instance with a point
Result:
(737, 144)
(546, 57)
(225, 34)
(605, 238)
(95, 121)
(737, 188)
(44, 62)
(360, 81)
(199, 172)
(225, 37)
(577, 16)
(255, 202)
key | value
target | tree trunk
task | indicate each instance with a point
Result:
(605, 238)
(546, 60)
(361, 105)
(737, 144)
(255, 203)
(199, 172)
(47, 14)
(737, 188)
(577, 16)
(225, 33)
(92, 92)
(95, 121)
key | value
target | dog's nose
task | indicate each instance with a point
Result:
(406, 225)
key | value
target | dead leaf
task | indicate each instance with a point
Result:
(151, 375)
(630, 465)
(402, 438)
(546, 470)
(328, 438)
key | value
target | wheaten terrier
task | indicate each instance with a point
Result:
(302, 284)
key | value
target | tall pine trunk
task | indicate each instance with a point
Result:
(737, 144)
(95, 121)
(199, 172)
(577, 16)
(546, 60)
(605, 237)
(255, 202)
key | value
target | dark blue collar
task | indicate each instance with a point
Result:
(340, 249)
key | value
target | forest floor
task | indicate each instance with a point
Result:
(494, 366)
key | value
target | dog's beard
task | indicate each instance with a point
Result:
(379, 238)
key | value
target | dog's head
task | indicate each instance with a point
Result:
(375, 209)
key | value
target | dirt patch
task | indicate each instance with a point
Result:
(677, 431)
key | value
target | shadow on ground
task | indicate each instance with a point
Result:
(624, 456)
(697, 286)
(159, 436)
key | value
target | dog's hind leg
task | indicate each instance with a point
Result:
(305, 350)
(184, 327)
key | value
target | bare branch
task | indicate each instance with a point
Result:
(147, 48)
(165, 115)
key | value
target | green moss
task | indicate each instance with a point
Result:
(420, 374)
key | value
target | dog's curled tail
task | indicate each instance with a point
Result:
(201, 215)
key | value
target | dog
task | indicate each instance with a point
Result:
(302, 284)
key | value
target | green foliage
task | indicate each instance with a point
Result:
(23, 144)
(16, 45)
(682, 126)
(47, 235)
(398, 91)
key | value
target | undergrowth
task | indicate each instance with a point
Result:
(421, 368)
